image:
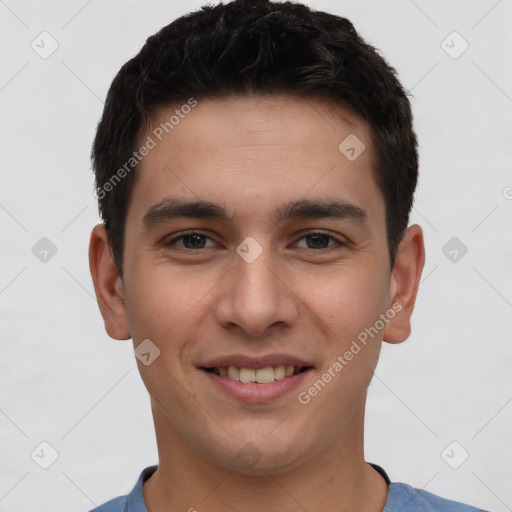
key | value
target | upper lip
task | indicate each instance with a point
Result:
(245, 361)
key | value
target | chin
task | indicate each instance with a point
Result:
(261, 454)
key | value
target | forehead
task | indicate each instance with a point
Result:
(264, 149)
(274, 120)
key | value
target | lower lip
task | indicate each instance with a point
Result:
(252, 392)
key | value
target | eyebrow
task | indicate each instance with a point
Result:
(173, 208)
(304, 209)
(170, 209)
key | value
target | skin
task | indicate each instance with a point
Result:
(251, 155)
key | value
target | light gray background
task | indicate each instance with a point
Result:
(63, 381)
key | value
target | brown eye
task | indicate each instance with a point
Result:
(190, 241)
(318, 240)
(194, 241)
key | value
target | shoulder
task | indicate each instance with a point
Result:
(133, 502)
(404, 498)
(116, 505)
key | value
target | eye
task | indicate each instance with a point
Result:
(191, 241)
(314, 241)
(318, 240)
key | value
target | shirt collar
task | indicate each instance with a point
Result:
(136, 499)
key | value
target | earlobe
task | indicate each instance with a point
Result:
(404, 282)
(108, 285)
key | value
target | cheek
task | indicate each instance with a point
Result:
(157, 301)
(345, 301)
(166, 305)
(348, 310)
(164, 309)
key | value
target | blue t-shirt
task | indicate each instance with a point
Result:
(401, 498)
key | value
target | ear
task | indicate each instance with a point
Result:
(108, 285)
(404, 282)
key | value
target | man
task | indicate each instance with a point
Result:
(255, 169)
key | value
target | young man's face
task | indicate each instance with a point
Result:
(269, 279)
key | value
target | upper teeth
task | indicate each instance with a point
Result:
(261, 375)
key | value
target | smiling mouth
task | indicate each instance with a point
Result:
(258, 375)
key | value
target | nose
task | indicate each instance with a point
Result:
(255, 297)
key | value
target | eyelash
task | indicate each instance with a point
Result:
(338, 242)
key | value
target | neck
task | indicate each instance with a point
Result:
(337, 479)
